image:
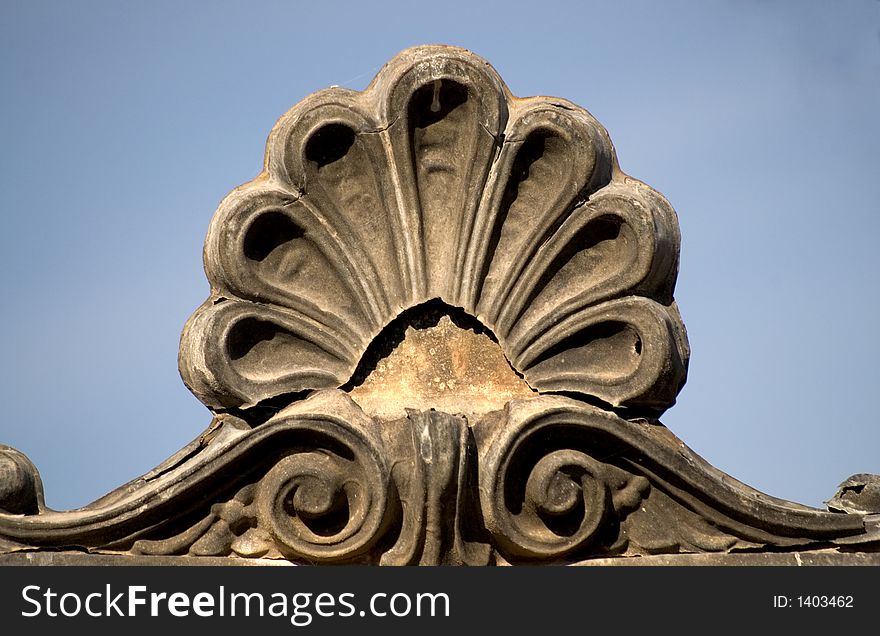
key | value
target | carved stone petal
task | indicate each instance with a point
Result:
(236, 354)
(623, 351)
(554, 156)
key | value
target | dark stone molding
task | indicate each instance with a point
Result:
(747, 559)
(441, 329)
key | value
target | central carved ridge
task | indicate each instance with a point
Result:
(435, 356)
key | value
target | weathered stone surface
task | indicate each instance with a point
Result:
(770, 559)
(829, 557)
(859, 494)
(437, 183)
(548, 479)
(440, 330)
(435, 360)
(20, 486)
(89, 559)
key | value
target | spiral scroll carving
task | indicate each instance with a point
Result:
(560, 509)
(544, 496)
(322, 507)
(546, 480)
(324, 499)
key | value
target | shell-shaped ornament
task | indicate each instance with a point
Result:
(436, 183)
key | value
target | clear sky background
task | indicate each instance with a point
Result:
(123, 124)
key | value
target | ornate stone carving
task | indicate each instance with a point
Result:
(441, 328)
(546, 479)
(436, 183)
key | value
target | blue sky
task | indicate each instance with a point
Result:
(124, 124)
